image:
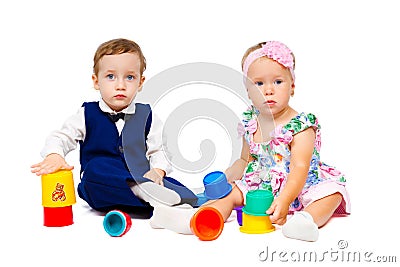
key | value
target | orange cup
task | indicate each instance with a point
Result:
(207, 223)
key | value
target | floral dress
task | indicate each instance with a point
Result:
(270, 165)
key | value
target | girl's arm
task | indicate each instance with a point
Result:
(235, 171)
(302, 148)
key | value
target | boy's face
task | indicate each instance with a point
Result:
(118, 79)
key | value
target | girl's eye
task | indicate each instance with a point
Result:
(130, 77)
(110, 76)
(259, 83)
(278, 82)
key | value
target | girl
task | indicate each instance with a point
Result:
(285, 160)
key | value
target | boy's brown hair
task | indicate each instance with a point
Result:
(116, 47)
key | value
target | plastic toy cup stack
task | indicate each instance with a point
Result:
(239, 215)
(216, 185)
(58, 196)
(207, 224)
(255, 220)
(117, 223)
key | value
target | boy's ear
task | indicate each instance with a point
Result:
(95, 82)
(142, 78)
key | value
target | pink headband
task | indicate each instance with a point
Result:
(274, 50)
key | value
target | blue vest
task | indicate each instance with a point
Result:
(108, 160)
(103, 140)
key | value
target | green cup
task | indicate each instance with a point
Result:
(258, 202)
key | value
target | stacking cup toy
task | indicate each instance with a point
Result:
(207, 224)
(216, 185)
(239, 216)
(255, 220)
(117, 223)
(258, 202)
(256, 224)
(61, 216)
(58, 196)
(201, 199)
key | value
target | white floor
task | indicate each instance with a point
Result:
(85, 242)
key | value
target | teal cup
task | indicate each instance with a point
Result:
(258, 202)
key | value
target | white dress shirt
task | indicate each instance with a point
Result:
(66, 139)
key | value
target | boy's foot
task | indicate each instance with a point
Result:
(155, 194)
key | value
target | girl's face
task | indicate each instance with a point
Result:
(269, 86)
(118, 79)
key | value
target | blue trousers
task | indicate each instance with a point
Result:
(104, 187)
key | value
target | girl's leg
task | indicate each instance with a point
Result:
(323, 209)
(227, 204)
(178, 218)
(304, 225)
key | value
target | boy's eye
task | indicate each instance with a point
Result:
(110, 76)
(278, 82)
(259, 83)
(130, 77)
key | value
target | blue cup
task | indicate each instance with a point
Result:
(216, 185)
(117, 223)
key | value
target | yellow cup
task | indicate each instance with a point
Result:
(252, 224)
(58, 189)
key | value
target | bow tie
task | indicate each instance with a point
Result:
(116, 117)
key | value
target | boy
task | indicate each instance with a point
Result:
(122, 157)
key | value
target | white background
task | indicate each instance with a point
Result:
(347, 74)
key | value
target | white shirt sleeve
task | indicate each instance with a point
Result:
(64, 140)
(157, 152)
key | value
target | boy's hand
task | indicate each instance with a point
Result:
(50, 164)
(156, 175)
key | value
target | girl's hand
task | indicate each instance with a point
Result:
(156, 175)
(278, 211)
(235, 171)
(50, 164)
(231, 175)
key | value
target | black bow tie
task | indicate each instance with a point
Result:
(116, 117)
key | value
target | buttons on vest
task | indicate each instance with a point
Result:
(121, 149)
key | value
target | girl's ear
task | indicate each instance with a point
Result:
(95, 82)
(292, 90)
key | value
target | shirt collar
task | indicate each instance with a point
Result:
(128, 110)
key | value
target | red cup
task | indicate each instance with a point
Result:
(58, 216)
(207, 223)
(117, 223)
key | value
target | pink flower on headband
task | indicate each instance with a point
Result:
(278, 52)
(274, 50)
